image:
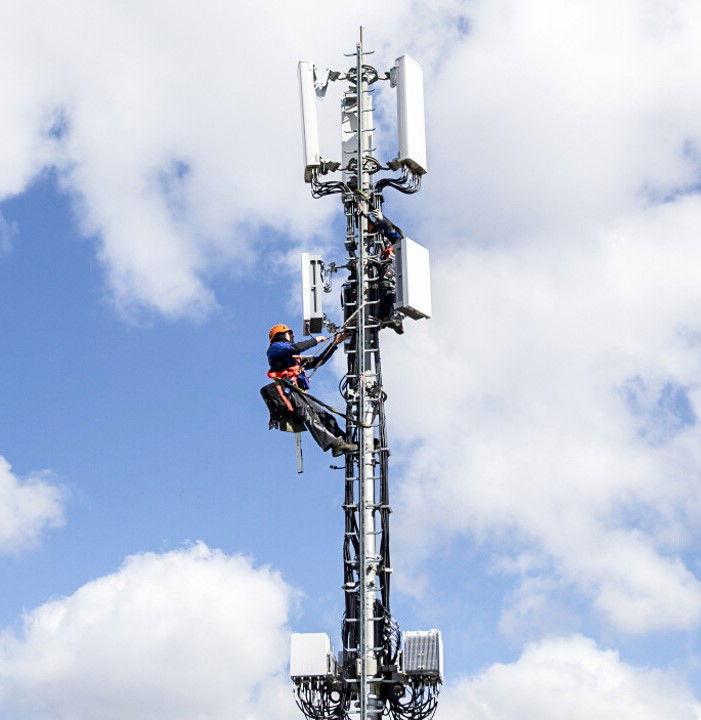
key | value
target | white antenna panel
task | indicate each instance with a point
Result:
(310, 125)
(413, 279)
(411, 122)
(312, 292)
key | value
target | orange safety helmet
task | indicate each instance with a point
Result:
(279, 328)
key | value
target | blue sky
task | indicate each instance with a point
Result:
(154, 429)
(156, 544)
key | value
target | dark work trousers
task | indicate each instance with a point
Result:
(388, 290)
(321, 424)
(388, 298)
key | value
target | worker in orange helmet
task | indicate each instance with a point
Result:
(287, 400)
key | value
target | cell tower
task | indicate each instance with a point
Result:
(379, 670)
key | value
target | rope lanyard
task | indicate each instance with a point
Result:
(305, 394)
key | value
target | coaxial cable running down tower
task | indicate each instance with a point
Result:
(379, 670)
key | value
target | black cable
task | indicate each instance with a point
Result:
(420, 704)
(408, 183)
(313, 698)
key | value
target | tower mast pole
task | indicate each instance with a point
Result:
(381, 671)
(368, 691)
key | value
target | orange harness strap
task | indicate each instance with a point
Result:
(291, 373)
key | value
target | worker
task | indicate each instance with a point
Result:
(290, 407)
(387, 284)
(377, 222)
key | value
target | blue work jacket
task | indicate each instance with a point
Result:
(281, 357)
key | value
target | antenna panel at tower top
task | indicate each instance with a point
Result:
(411, 123)
(310, 125)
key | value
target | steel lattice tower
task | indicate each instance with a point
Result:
(369, 679)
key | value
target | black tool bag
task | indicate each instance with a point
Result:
(280, 416)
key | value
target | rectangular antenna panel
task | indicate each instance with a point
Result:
(310, 126)
(312, 655)
(411, 122)
(413, 279)
(312, 290)
(422, 653)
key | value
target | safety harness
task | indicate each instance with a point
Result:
(276, 388)
(290, 374)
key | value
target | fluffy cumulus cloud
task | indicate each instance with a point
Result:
(565, 115)
(568, 678)
(175, 128)
(187, 634)
(565, 387)
(28, 506)
(563, 355)
(562, 364)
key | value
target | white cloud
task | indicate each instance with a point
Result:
(27, 508)
(186, 634)
(561, 366)
(530, 407)
(177, 128)
(555, 116)
(534, 440)
(568, 678)
(566, 300)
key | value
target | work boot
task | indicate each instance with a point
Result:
(342, 447)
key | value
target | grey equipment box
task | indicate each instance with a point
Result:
(422, 653)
